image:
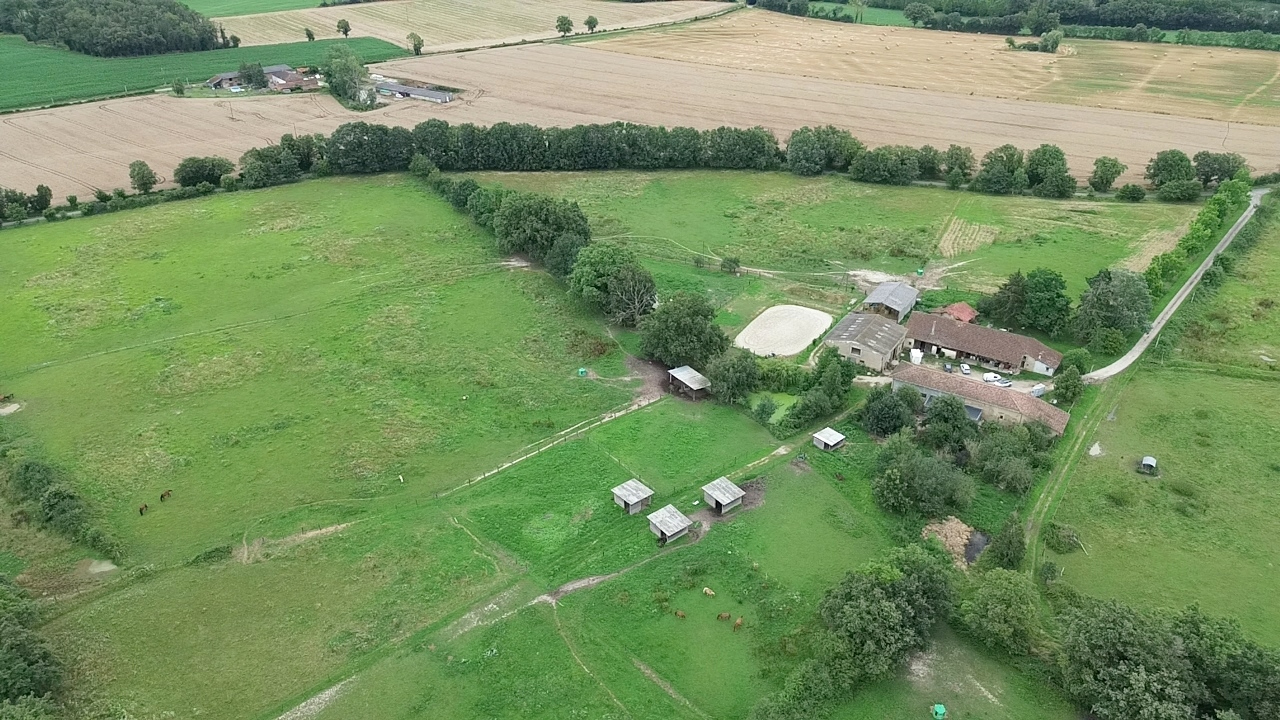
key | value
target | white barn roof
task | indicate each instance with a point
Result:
(690, 377)
(669, 520)
(723, 491)
(829, 436)
(632, 491)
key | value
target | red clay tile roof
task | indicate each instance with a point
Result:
(977, 340)
(961, 311)
(1029, 407)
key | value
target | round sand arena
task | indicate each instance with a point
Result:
(783, 330)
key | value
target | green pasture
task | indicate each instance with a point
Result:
(814, 228)
(37, 75)
(227, 8)
(1242, 325)
(870, 15)
(1200, 532)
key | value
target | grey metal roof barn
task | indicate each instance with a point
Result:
(668, 523)
(632, 496)
(722, 494)
(391, 88)
(828, 438)
(892, 299)
(872, 340)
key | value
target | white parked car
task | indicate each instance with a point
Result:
(965, 369)
(991, 377)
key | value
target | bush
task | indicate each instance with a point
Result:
(1008, 547)
(1060, 538)
(1108, 341)
(1179, 191)
(907, 480)
(764, 410)
(194, 170)
(1131, 193)
(999, 608)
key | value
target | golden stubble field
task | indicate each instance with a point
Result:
(1214, 83)
(77, 148)
(458, 24)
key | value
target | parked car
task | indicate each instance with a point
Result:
(965, 369)
(1003, 383)
(946, 366)
(991, 377)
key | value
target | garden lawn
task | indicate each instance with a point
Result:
(811, 229)
(1204, 530)
(36, 75)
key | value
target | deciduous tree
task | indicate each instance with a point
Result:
(344, 27)
(682, 331)
(1047, 307)
(917, 12)
(564, 25)
(999, 608)
(1169, 166)
(141, 176)
(415, 43)
(1105, 171)
(311, 35)
(591, 22)
(1118, 299)
(1067, 386)
(734, 375)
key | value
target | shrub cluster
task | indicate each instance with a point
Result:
(112, 28)
(1215, 15)
(1167, 267)
(16, 205)
(29, 671)
(46, 495)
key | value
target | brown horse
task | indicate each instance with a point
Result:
(737, 624)
(680, 614)
(166, 495)
(142, 509)
(723, 616)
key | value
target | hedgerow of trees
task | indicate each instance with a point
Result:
(112, 28)
(29, 671)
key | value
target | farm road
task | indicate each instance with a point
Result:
(1119, 366)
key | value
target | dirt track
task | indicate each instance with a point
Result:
(74, 149)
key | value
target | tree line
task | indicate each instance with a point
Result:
(113, 28)
(1207, 15)
(29, 671)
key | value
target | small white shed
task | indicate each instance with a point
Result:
(827, 439)
(723, 495)
(632, 496)
(668, 523)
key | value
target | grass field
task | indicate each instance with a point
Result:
(870, 15)
(316, 379)
(822, 226)
(224, 8)
(29, 68)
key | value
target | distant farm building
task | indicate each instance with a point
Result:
(410, 91)
(632, 496)
(828, 439)
(961, 311)
(668, 523)
(868, 339)
(892, 300)
(686, 381)
(982, 401)
(279, 77)
(722, 495)
(989, 347)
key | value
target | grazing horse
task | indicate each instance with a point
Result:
(708, 592)
(680, 614)
(723, 616)
(737, 624)
(142, 509)
(166, 494)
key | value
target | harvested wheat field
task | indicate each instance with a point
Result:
(458, 24)
(1214, 83)
(74, 149)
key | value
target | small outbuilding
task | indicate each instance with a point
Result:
(722, 495)
(1148, 466)
(632, 496)
(668, 523)
(828, 439)
(686, 381)
(892, 300)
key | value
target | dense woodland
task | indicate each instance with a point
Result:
(112, 28)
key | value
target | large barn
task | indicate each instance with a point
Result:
(988, 347)
(983, 401)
